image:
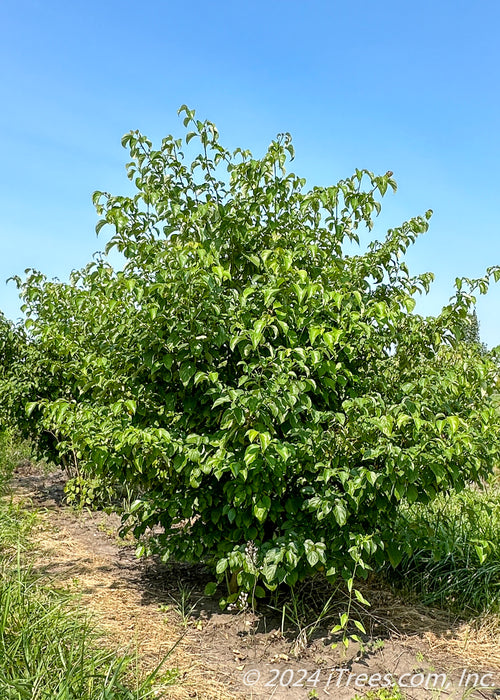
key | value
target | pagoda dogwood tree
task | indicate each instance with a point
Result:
(250, 379)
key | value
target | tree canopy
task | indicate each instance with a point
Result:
(252, 380)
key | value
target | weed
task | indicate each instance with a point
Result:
(381, 694)
(370, 647)
(182, 605)
(303, 616)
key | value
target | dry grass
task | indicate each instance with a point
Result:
(118, 608)
(474, 643)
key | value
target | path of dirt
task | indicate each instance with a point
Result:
(161, 609)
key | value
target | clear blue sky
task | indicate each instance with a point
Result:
(408, 87)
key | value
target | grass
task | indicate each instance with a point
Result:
(13, 451)
(456, 560)
(48, 648)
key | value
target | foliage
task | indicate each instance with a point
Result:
(26, 371)
(9, 353)
(96, 493)
(250, 379)
(82, 492)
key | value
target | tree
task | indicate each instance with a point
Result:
(470, 332)
(252, 381)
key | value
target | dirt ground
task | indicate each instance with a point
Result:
(156, 610)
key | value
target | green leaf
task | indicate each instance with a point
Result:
(359, 625)
(312, 557)
(210, 588)
(265, 439)
(30, 407)
(131, 406)
(252, 434)
(300, 291)
(409, 303)
(453, 422)
(314, 331)
(332, 337)
(283, 451)
(412, 493)
(251, 454)
(394, 553)
(340, 513)
(221, 566)
(482, 554)
(186, 371)
(259, 592)
(360, 597)
(221, 400)
(256, 338)
(260, 511)
(199, 377)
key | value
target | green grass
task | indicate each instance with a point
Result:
(48, 649)
(456, 560)
(13, 451)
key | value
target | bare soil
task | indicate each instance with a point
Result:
(157, 610)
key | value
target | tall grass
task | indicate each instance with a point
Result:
(456, 549)
(48, 649)
(13, 451)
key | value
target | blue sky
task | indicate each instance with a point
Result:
(407, 87)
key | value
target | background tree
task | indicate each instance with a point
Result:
(470, 332)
